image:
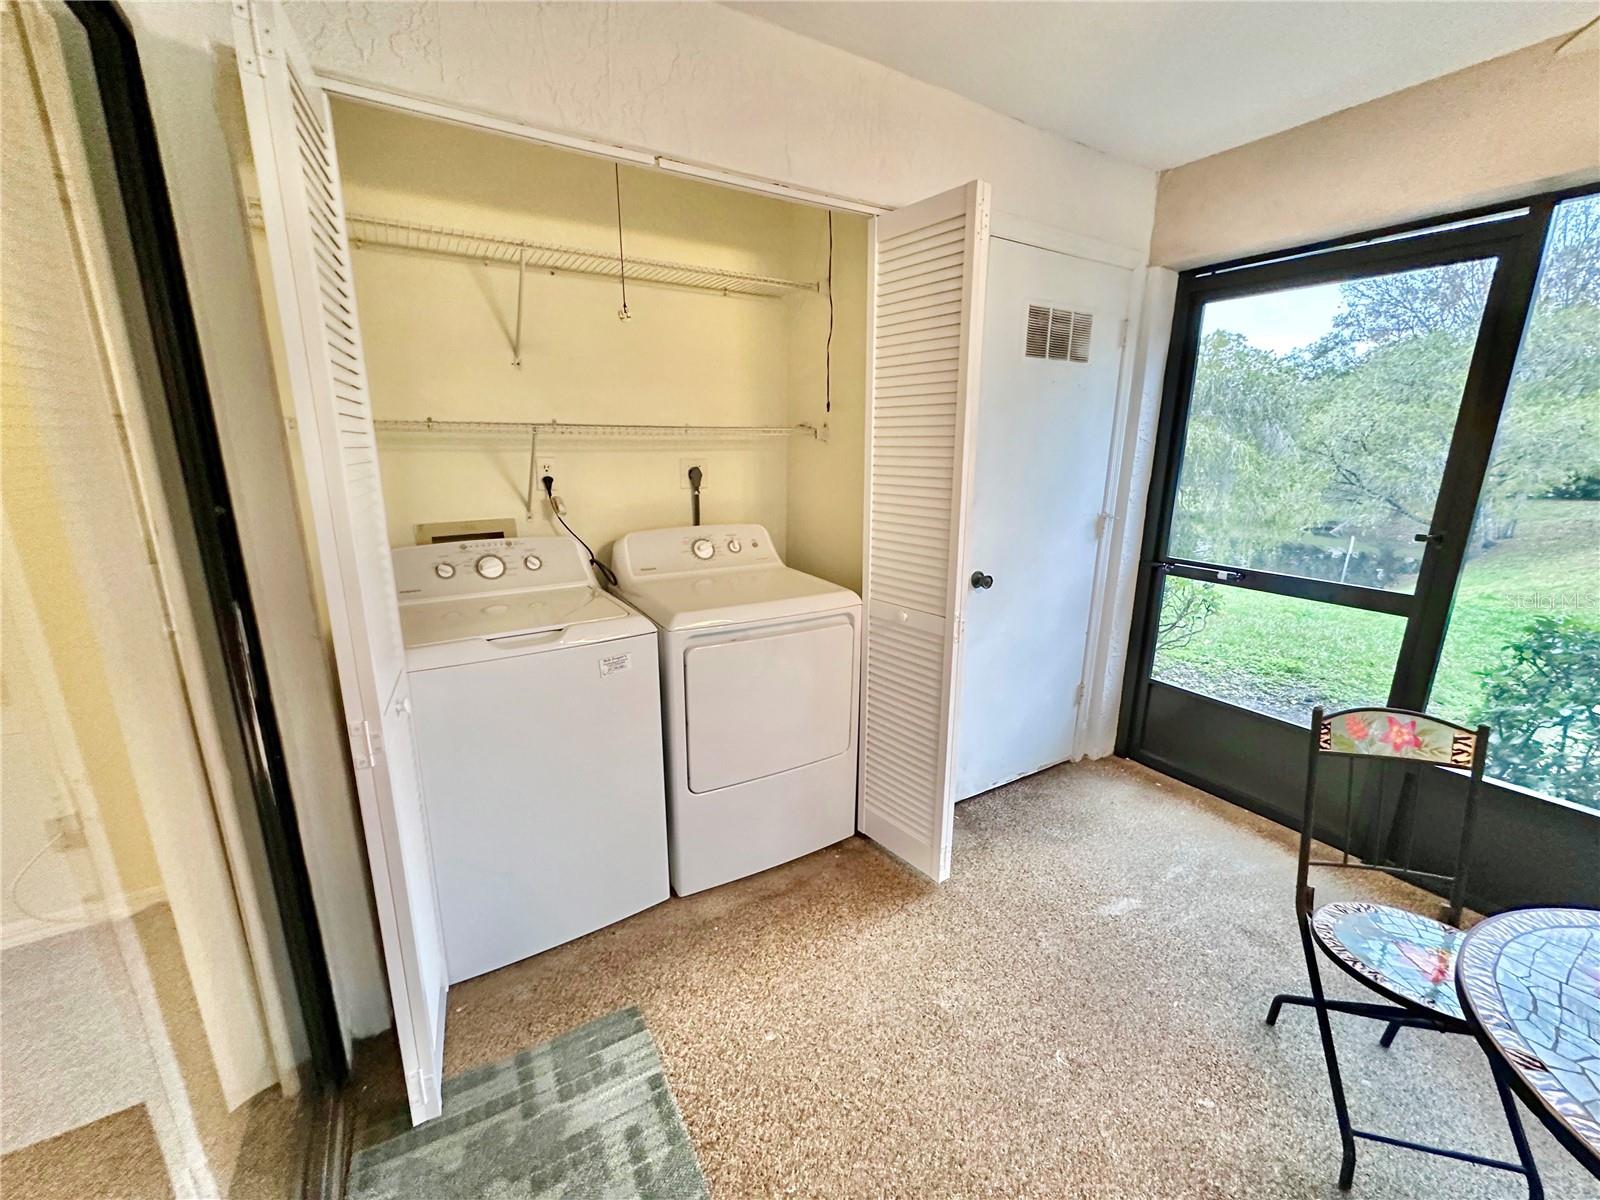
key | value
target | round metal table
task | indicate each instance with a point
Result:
(1529, 982)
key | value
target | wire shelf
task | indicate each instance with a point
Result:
(596, 431)
(365, 230)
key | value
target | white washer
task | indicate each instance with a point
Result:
(759, 669)
(537, 708)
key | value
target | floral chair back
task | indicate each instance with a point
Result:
(1395, 733)
(1420, 742)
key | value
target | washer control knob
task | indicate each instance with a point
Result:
(491, 566)
(444, 570)
(734, 545)
(703, 548)
(533, 562)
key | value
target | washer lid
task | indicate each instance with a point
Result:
(583, 613)
(736, 597)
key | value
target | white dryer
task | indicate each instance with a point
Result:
(537, 707)
(760, 668)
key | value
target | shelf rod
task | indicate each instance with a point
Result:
(585, 429)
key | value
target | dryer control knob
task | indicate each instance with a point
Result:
(703, 548)
(491, 566)
(444, 570)
(533, 562)
(734, 546)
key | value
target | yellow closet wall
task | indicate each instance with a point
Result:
(438, 337)
(438, 333)
(826, 477)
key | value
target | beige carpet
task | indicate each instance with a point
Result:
(114, 1158)
(1077, 1012)
(74, 1049)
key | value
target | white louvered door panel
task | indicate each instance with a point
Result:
(927, 296)
(291, 137)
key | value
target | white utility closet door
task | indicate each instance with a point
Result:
(927, 280)
(302, 204)
(1052, 349)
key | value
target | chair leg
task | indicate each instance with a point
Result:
(1387, 1013)
(1518, 1137)
(1347, 1141)
(1389, 1034)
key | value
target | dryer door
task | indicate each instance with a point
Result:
(768, 700)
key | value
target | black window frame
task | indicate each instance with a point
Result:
(1515, 233)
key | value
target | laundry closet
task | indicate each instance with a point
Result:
(484, 338)
(703, 308)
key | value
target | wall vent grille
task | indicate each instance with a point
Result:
(1038, 331)
(1058, 333)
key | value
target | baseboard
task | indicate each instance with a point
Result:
(25, 930)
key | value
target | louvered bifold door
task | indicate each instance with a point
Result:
(291, 137)
(927, 298)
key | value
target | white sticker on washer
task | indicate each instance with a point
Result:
(612, 663)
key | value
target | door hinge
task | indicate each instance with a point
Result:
(1101, 522)
(1122, 339)
(1077, 694)
(365, 744)
(247, 37)
(961, 627)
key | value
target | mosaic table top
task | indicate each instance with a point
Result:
(1529, 982)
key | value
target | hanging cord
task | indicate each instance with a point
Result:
(622, 263)
(16, 884)
(827, 374)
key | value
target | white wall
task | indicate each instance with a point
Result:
(1500, 130)
(37, 878)
(1108, 651)
(704, 84)
(694, 81)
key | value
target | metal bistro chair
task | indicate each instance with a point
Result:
(1406, 958)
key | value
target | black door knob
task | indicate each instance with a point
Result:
(980, 580)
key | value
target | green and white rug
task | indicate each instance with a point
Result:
(587, 1115)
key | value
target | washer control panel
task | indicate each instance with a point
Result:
(490, 565)
(652, 553)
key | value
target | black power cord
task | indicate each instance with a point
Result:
(827, 370)
(606, 572)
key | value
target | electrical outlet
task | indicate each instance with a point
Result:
(68, 830)
(683, 472)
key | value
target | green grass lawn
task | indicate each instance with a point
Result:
(1283, 656)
